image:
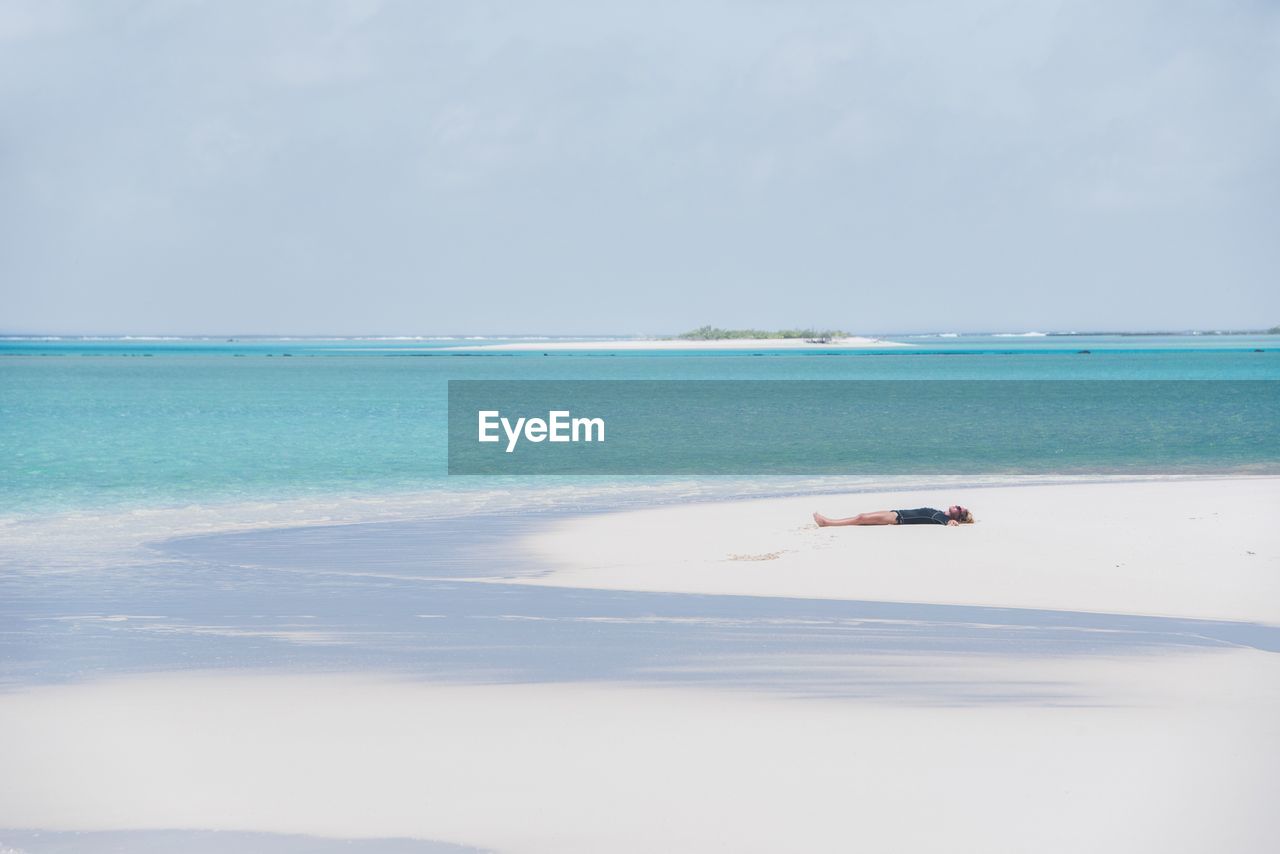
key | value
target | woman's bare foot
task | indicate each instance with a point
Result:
(822, 521)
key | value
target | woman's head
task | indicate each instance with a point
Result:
(960, 514)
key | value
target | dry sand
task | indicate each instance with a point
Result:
(1202, 548)
(1179, 757)
(1168, 750)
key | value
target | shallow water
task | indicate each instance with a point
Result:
(402, 598)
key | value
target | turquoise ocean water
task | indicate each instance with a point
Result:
(173, 505)
(119, 423)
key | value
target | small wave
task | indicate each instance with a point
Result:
(1020, 335)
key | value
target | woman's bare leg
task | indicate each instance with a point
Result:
(879, 517)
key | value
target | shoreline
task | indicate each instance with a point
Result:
(112, 528)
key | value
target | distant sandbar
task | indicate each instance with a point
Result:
(749, 344)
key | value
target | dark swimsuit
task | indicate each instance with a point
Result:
(922, 516)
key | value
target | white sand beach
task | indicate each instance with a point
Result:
(1202, 548)
(1165, 747)
(753, 344)
(1173, 754)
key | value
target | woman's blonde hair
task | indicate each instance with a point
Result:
(967, 518)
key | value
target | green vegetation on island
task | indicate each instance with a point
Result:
(714, 333)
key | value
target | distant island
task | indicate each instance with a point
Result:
(707, 338)
(714, 333)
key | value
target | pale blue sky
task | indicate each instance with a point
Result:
(593, 167)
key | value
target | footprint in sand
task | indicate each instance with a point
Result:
(764, 556)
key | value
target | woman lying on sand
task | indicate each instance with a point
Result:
(955, 515)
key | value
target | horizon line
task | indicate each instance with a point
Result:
(160, 336)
